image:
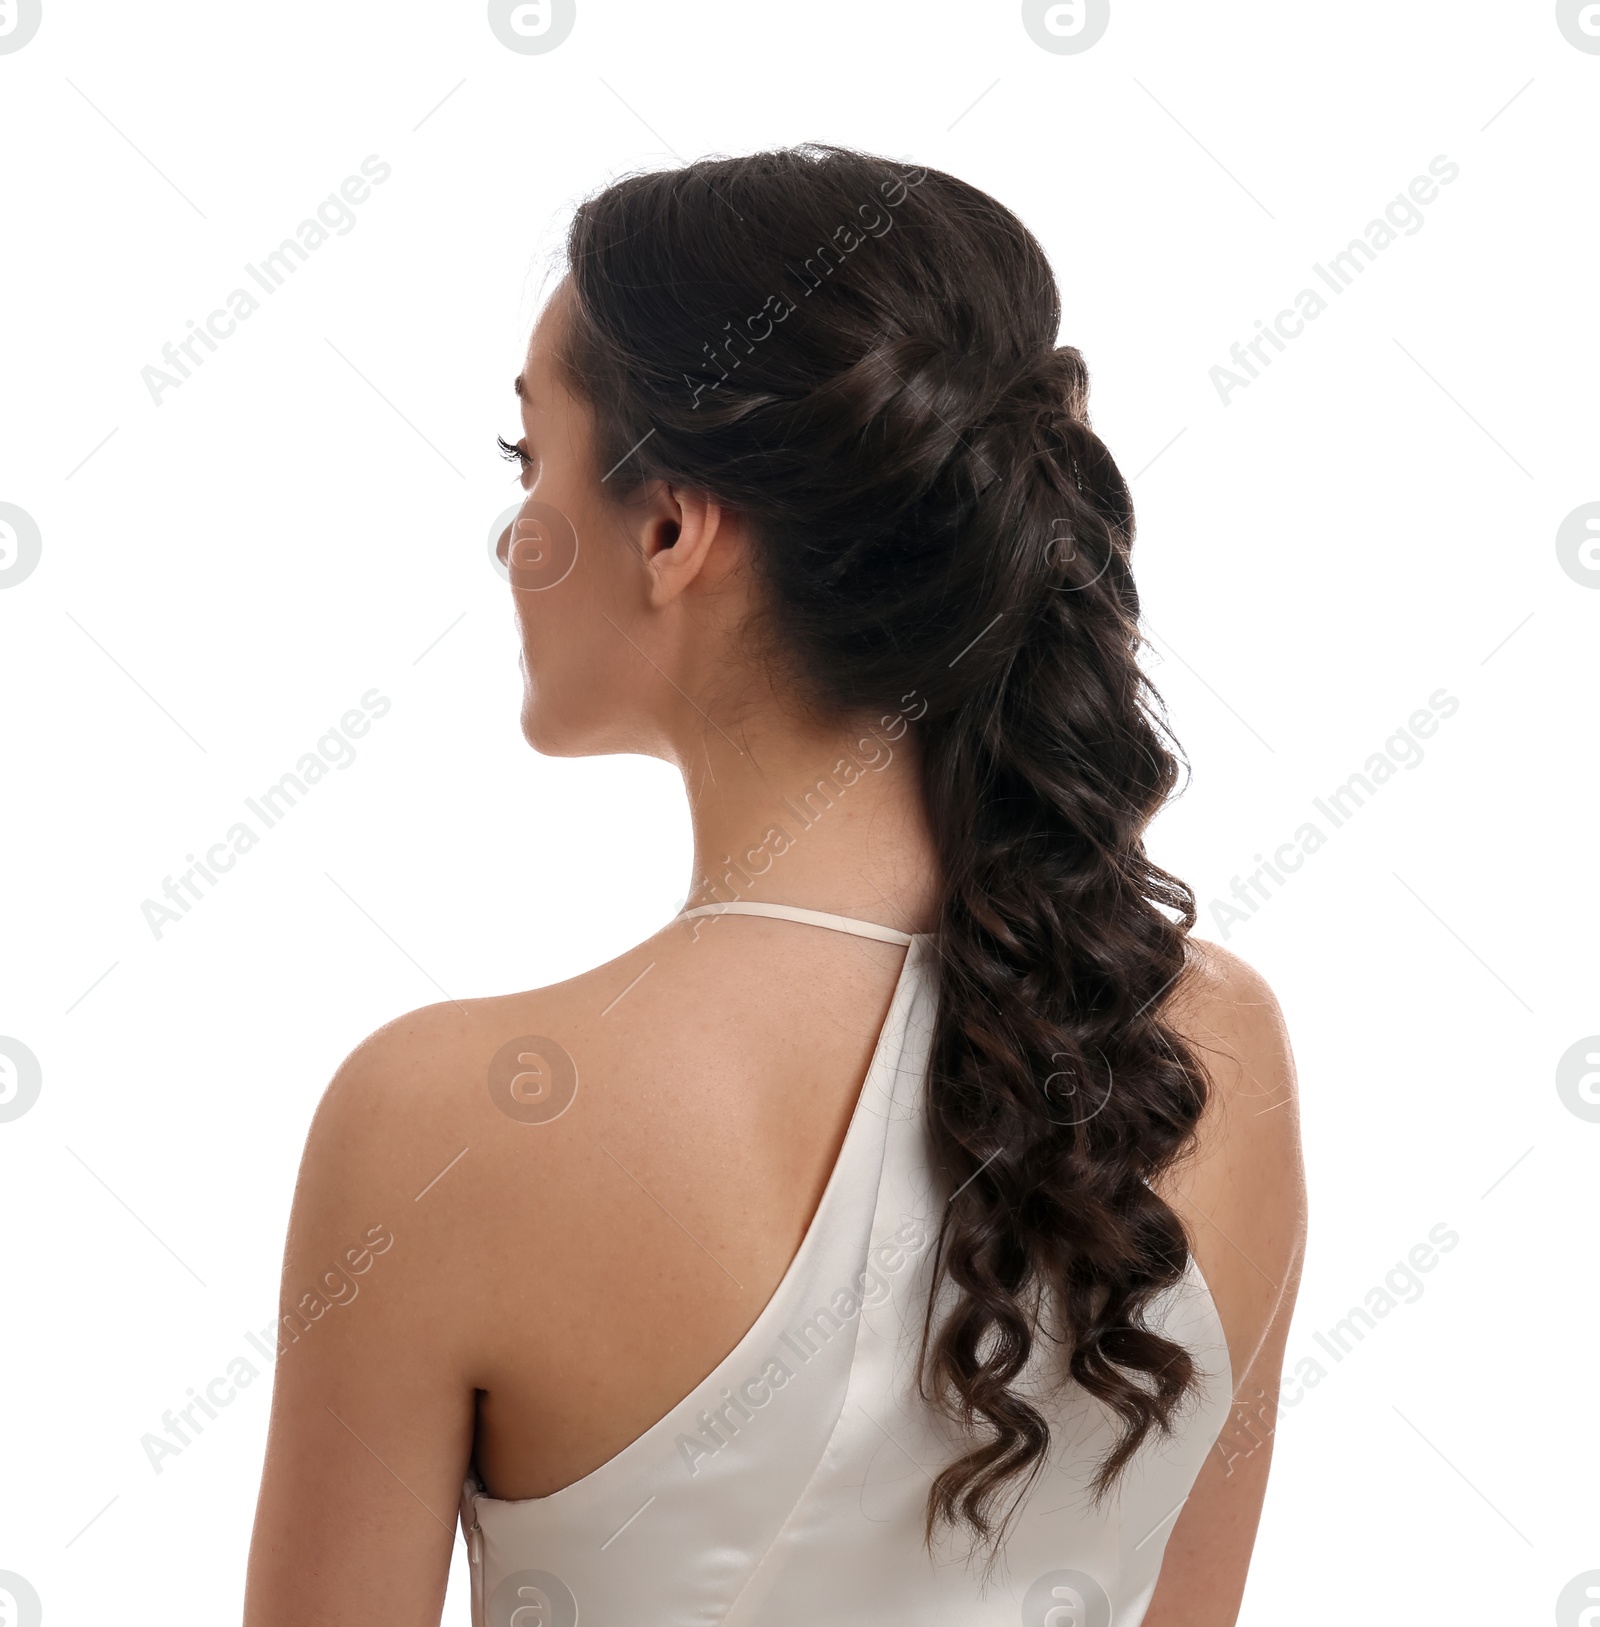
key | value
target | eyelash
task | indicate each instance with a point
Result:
(512, 454)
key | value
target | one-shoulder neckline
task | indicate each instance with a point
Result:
(893, 1025)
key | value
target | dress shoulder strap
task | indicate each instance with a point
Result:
(792, 912)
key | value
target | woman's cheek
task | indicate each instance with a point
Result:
(543, 547)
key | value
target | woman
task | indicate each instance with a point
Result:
(889, 1238)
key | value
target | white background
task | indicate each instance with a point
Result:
(306, 518)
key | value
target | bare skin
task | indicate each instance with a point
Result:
(561, 1285)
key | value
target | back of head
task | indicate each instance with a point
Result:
(861, 357)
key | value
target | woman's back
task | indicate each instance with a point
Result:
(673, 1279)
(788, 1484)
(671, 1197)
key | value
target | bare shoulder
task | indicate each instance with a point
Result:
(392, 1104)
(1224, 1009)
(445, 1080)
(484, 1120)
(1241, 1195)
(1223, 1006)
(1241, 1187)
(393, 1235)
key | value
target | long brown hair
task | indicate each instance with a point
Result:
(861, 357)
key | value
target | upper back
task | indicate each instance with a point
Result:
(659, 1212)
(574, 1262)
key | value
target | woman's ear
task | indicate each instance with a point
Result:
(686, 537)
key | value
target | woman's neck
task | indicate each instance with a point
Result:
(829, 818)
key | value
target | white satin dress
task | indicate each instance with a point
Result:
(788, 1489)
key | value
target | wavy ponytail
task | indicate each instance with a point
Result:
(860, 358)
